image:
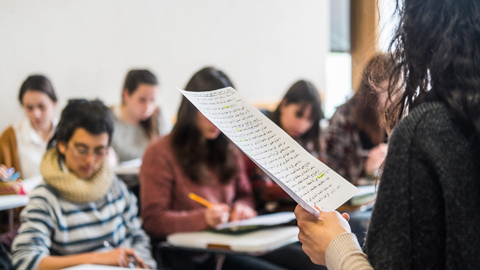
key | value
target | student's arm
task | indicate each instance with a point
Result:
(3, 171)
(8, 149)
(157, 183)
(116, 257)
(139, 239)
(243, 205)
(243, 192)
(33, 241)
(31, 247)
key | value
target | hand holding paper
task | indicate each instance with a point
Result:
(308, 181)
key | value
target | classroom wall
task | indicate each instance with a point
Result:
(86, 47)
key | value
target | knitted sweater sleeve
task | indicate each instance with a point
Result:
(139, 239)
(344, 253)
(33, 241)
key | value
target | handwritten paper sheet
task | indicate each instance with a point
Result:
(307, 180)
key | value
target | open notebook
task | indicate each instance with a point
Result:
(307, 180)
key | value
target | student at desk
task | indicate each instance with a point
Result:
(426, 214)
(138, 120)
(81, 213)
(23, 144)
(196, 157)
(356, 136)
(298, 114)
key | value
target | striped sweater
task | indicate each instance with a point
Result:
(52, 225)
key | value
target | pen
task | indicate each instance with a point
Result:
(200, 200)
(131, 263)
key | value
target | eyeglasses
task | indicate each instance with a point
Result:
(82, 151)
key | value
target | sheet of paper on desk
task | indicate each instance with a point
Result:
(128, 167)
(307, 180)
(261, 221)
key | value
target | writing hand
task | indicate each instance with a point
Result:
(217, 214)
(375, 158)
(241, 211)
(119, 257)
(317, 233)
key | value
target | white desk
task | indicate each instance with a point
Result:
(254, 243)
(8, 202)
(260, 241)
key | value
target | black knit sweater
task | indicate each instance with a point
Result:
(428, 204)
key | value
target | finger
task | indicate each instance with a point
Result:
(234, 214)
(131, 255)
(322, 213)
(346, 216)
(122, 259)
(141, 264)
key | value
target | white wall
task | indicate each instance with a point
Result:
(86, 46)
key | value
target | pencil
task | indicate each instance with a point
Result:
(200, 200)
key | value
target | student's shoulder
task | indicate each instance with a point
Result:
(431, 116)
(44, 193)
(161, 144)
(9, 132)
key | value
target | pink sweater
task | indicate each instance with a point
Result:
(164, 188)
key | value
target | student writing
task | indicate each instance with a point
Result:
(81, 203)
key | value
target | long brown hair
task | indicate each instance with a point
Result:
(364, 105)
(304, 93)
(134, 78)
(197, 156)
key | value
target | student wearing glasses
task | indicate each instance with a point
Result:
(81, 213)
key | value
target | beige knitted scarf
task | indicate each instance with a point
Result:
(69, 185)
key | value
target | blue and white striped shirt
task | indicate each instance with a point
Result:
(52, 225)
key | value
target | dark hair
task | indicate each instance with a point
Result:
(37, 83)
(134, 78)
(304, 93)
(364, 105)
(194, 155)
(92, 115)
(437, 51)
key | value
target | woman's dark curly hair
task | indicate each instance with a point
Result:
(437, 52)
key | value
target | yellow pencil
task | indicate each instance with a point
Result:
(200, 200)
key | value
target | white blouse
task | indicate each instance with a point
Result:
(30, 147)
